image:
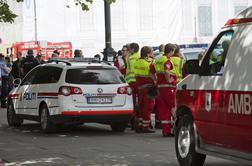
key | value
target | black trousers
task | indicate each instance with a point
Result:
(4, 89)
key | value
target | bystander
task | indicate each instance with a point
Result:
(5, 77)
(28, 63)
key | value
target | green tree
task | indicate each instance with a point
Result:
(8, 16)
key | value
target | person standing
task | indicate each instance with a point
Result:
(28, 63)
(40, 59)
(78, 53)
(97, 58)
(55, 54)
(130, 75)
(5, 78)
(10, 76)
(177, 62)
(160, 51)
(16, 68)
(120, 60)
(166, 82)
(144, 81)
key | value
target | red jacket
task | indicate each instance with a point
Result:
(122, 69)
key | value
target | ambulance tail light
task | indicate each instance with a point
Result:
(69, 90)
(124, 90)
(235, 21)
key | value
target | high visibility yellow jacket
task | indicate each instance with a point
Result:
(177, 63)
(130, 74)
(142, 73)
(159, 66)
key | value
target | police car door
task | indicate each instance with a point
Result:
(210, 114)
(28, 95)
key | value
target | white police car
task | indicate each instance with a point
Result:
(61, 92)
(191, 51)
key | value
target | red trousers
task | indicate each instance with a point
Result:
(165, 101)
(146, 105)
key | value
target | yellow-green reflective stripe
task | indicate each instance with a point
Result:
(144, 86)
(160, 72)
(145, 76)
(166, 122)
(166, 86)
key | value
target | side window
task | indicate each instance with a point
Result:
(48, 74)
(28, 80)
(213, 62)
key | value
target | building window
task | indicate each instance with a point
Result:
(146, 14)
(240, 5)
(205, 20)
(239, 8)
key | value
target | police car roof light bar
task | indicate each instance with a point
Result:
(58, 61)
(78, 59)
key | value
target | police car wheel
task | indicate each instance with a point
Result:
(185, 143)
(45, 122)
(12, 118)
(118, 127)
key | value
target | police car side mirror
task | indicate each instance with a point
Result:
(192, 66)
(16, 82)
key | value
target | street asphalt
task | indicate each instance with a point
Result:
(87, 145)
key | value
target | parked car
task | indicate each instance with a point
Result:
(61, 92)
(214, 102)
(192, 51)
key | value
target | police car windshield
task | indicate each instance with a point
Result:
(94, 76)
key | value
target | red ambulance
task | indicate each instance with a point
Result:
(214, 102)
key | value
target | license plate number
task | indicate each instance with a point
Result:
(99, 100)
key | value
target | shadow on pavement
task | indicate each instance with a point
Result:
(87, 130)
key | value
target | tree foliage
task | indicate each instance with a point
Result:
(8, 16)
(85, 3)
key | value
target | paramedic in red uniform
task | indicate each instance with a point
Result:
(144, 81)
(166, 82)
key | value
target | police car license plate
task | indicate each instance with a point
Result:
(99, 100)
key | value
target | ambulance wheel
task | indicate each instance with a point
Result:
(12, 118)
(45, 121)
(118, 127)
(185, 144)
